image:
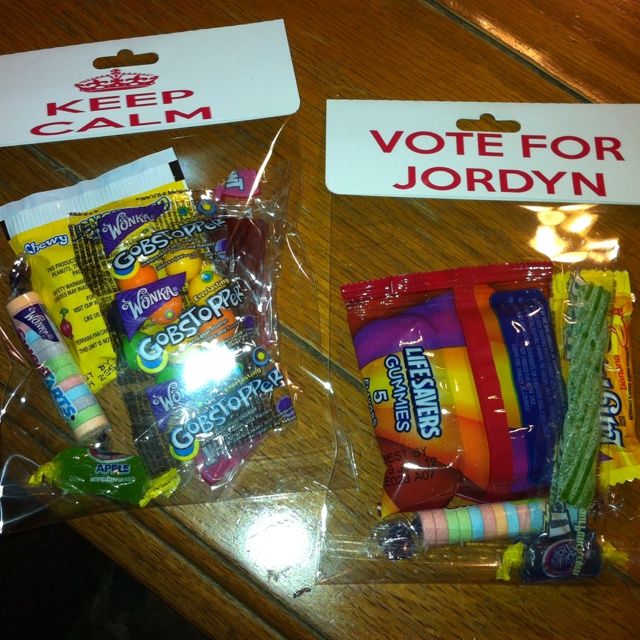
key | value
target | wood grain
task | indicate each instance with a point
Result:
(588, 46)
(225, 566)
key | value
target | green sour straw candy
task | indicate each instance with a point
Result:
(574, 478)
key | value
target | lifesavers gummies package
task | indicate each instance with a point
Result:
(482, 343)
(161, 337)
(463, 382)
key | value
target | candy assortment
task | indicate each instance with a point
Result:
(455, 363)
(178, 285)
(487, 326)
(151, 288)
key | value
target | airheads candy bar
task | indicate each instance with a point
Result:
(463, 380)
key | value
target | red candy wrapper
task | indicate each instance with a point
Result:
(463, 382)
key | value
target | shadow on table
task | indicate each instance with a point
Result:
(55, 584)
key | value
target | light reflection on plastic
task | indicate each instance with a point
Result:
(548, 242)
(536, 208)
(213, 363)
(327, 385)
(278, 540)
(580, 223)
(551, 217)
(562, 235)
(576, 207)
(572, 257)
(324, 512)
(603, 245)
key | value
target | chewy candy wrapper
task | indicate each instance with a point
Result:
(198, 382)
(463, 382)
(38, 229)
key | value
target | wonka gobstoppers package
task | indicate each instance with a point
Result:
(190, 360)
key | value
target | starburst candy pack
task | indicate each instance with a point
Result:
(483, 270)
(149, 219)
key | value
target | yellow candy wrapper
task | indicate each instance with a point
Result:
(619, 448)
(40, 231)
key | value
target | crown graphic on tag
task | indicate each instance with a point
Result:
(117, 80)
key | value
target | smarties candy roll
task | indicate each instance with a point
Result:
(73, 398)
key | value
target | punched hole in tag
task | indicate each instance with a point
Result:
(488, 122)
(126, 58)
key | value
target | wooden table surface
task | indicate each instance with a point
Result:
(223, 566)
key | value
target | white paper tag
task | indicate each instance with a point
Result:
(561, 152)
(203, 77)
